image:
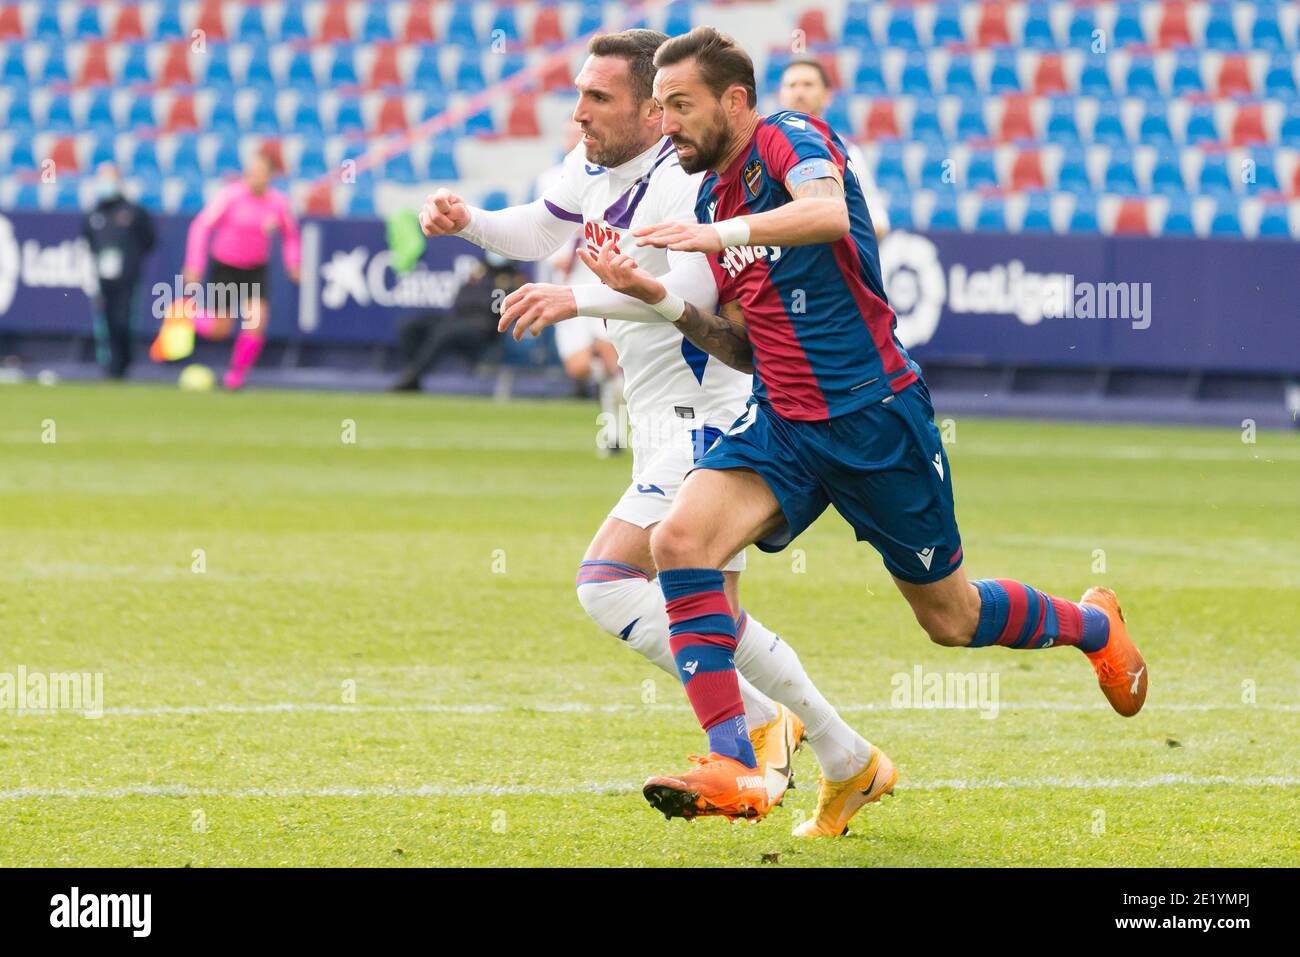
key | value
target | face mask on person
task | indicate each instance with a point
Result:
(107, 188)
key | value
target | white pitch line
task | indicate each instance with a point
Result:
(580, 707)
(615, 787)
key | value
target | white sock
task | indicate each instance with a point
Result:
(775, 670)
(632, 608)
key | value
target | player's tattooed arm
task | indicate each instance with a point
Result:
(723, 336)
(824, 186)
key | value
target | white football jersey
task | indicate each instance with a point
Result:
(670, 385)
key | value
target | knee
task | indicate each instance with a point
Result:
(673, 545)
(610, 604)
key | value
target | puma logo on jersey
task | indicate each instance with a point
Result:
(597, 235)
(1137, 677)
(927, 556)
(938, 465)
(735, 258)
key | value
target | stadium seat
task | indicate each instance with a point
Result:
(1127, 28)
(1094, 80)
(1154, 129)
(1038, 213)
(960, 78)
(1201, 127)
(1081, 29)
(1167, 174)
(1017, 120)
(226, 159)
(55, 69)
(1120, 176)
(168, 25)
(265, 119)
(376, 27)
(469, 74)
(901, 31)
(1062, 126)
(428, 71)
(943, 215)
(1234, 77)
(1072, 177)
(63, 153)
(992, 216)
(1049, 76)
(343, 71)
(678, 18)
(1248, 125)
(250, 25)
(970, 121)
(1131, 218)
(479, 124)
(292, 25)
(306, 117)
(141, 114)
(185, 156)
(1214, 178)
(99, 112)
(1173, 30)
(144, 160)
(442, 164)
(311, 158)
(1265, 34)
(302, 73)
(1027, 171)
(15, 69)
(991, 30)
(1227, 218)
(890, 176)
(1003, 78)
(1279, 81)
(334, 26)
(812, 25)
(857, 26)
(882, 121)
(1187, 74)
(94, 65)
(522, 120)
(1220, 33)
(915, 78)
(418, 26)
(1178, 217)
(1274, 223)
(180, 115)
(1259, 172)
(981, 170)
(1141, 79)
(868, 78)
(591, 17)
(392, 116)
(176, 68)
(926, 126)
(947, 25)
(385, 70)
(1038, 28)
(211, 21)
(900, 212)
(937, 170)
(1289, 133)
(1083, 219)
(217, 73)
(257, 72)
(58, 113)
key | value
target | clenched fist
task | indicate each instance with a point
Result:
(443, 213)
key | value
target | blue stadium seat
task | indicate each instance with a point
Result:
(1073, 174)
(20, 153)
(151, 194)
(512, 63)
(301, 74)
(169, 26)
(1062, 124)
(27, 196)
(1220, 33)
(1227, 218)
(960, 79)
(1263, 170)
(343, 71)
(901, 31)
(890, 175)
(311, 159)
(981, 170)
(58, 113)
(399, 169)
(970, 121)
(943, 216)
(185, 156)
(88, 26)
(1081, 28)
(480, 123)
(1187, 73)
(915, 79)
(926, 127)
(306, 117)
(900, 212)
(19, 115)
(442, 164)
(1038, 213)
(250, 25)
(869, 78)
(376, 27)
(1120, 177)
(191, 201)
(292, 25)
(1094, 80)
(348, 118)
(99, 112)
(103, 150)
(1141, 80)
(144, 160)
(937, 170)
(1178, 217)
(218, 75)
(258, 71)
(1265, 33)
(135, 68)
(1128, 25)
(1108, 129)
(460, 27)
(56, 66)
(223, 115)
(265, 119)
(47, 26)
(495, 199)
(857, 26)
(1279, 82)
(1200, 125)
(777, 61)
(504, 26)
(1167, 174)
(678, 19)
(1038, 27)
(469, 74)
(1214, 178)
(1154, 129)
(428, 71)
(226, 158)
(1289, 132)
(992, 217)
(15, 69)
(141, 115)
(67, 195)
(1084, 217)
(1003, 78)
(1274, 222)
(591, 16)
(838, 117)
(947, 25)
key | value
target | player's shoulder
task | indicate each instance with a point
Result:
(576, 166)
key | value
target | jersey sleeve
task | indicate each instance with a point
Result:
(795, 148)
(562, 197)
(704, 214)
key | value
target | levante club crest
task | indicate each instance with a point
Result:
(753, 176)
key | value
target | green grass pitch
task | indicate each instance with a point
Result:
(326, 652)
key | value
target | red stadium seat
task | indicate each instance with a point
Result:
(392, 116)
(1234, 77)
(94, 68)
(1173, 30)
(557, 77)
(882, 121)
(992, 30)
(522, 120)
(1248, 125)
(1027, 171)
(831, 65)
(1017, 122)
(547, 30)
(1295, 182)
(1132, 218)
(181, 116)
(128, 25)
(64, 155)
(210, 20)
(1049, 77)
(813, 25)
(176, 69)
(319, 201)
(334, 26)
(419, 23)
(11, 24)
(385, 71)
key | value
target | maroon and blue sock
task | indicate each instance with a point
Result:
(1015, 615)
(702, 637)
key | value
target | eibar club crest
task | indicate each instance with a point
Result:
(753, 176)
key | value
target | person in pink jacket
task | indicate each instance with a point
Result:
(230, 240)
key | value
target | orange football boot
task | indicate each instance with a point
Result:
(719, 786)
(1121, 672)
(838, 801)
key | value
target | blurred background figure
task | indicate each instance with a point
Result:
(469, 330)
(806, 87)
(231, 237)
(120, 234)
(589, 358)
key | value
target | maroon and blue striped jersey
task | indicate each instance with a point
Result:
(817, 316)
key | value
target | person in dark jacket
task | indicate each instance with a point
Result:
(120, 234)
(468, 330)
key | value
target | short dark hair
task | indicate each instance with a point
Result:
(721, 61)
(815, 64)
(638, 48)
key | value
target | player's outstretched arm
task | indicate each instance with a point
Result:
(816, 214)
(723, 336)
(527, 232)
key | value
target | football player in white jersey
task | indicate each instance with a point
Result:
(625, 173)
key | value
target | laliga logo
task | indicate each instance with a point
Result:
(915, 285)
(9, 264)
